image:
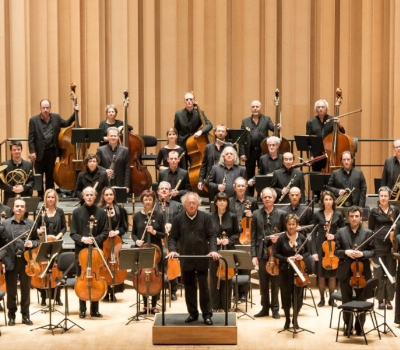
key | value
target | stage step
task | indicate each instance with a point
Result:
(176, 331)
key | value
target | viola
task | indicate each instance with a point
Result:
(330, 261)
(32, 268)
(221, 272)
(357, 280)
(272, 265)
(302, 268)
(2, 280)
(245, 236)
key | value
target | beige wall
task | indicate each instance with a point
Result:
(228, 51)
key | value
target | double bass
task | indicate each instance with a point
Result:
(140, 176)
(285, 145)
(71, 159)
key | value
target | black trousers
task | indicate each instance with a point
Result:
(265, 280)
(288, 291)
(390, 264)
(25, 284)
(46, 168)
(347, 292)
(251, 163)
(191, 278)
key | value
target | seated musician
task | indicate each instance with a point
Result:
(80, 234)
(304, 213)
(391, 169)
(115, 159)
(177, 177)
(18, 174)
(348, 178)
(162, 158)
(346, 240)
(285, 178)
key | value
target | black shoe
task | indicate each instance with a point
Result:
(332, 303)
(276, 315)
(11, 321)
(43, 303)
(208, 321)
(360, 333)
(59, 302)
(96, 314)
(347, 332)
(191, 318)
(173, 296)
(27, 321)
(262, 313)
(106, 297)
(321, 303)
(82, 314)
(287, 324)
(295, 324)
(389, 305)
(381, 306)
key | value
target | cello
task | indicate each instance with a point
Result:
(285, 145)
(140, 176)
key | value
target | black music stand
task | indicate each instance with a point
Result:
(319, 181)
(137, 259)
(120, 194)
(235, 136)
(31, 204)
(48, 252)
(247, 249)
(85, 135)
(263, 181)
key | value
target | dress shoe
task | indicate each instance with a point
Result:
(191, 318)
(11, 321)
(360, 333)
(389, 305)
(59, 302)
(347, 332)
(295, 324)
(321, 303)
(82, 314)
(154, 311)
(287, 324)
(208, 321)
(276, 315)
(381, 306)
(96, 314)
(27, 321)
(262, 313)
(173, 296)
(332, 303)
(43, 303)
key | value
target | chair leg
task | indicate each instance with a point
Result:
(338, 325)
(330, 323)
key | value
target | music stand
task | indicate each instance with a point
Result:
(85, 135)
(137, 259)
(48, 253)
(235, 136)
(263, 181)
(31, 203)
(247, 249)
(319, 181)
(120, 194)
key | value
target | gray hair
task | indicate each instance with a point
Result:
(226, 149)
(325, 102)
(184, 197)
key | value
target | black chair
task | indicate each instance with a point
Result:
(310, 266)
(337, 296)
(356, 308)
(149, 141)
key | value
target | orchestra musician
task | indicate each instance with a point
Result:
(348, 177)
(391, 169)
(329, 221)
(194, 232)
(266, 222)
(383, 215)
(285, 178)
(94, 176)
(396, 255)
(174, 175)
(304, 214)
(162, 157)
(119, 224)
(347, 238)
(80, 234)
(20, 172)
(43, 140)
(250, 150)
(6, 210)
(115, 159)
(223, 221)
(13, 261)
(286, 248)
(148, 228)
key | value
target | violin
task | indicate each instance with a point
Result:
(90, 285)
(245, 236)
(330, 261)
(221, 268)
(301, 265)
(357, 280)
(272, 265)
(32, 268)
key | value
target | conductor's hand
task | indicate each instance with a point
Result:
(214, 255)
(172, 255)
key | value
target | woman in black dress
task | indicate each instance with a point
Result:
(329, 221)
(161, 162)
(111, 115)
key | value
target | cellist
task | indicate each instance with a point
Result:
(80, 234)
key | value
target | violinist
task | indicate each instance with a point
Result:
(119, 223)
(111, 121)
(162, 158)
(347, 239)
(55, 227)
(12, 259)
(148, 228)
(80, 234)
(383, 215)
(43, 140)
(287, 248)
(223, 221)
(304, 213)
(194, 232)
(115, 159)
(266, 222)
(391, 169)
(329, 221)
(351, 179)
(396, 255)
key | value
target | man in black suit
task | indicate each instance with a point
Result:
(20, 181)
(346, 238)
(348, 178)
(43, 140)
(115, 159)
(175, 176)
(391, 169)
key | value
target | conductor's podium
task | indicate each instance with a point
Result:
(176, 331)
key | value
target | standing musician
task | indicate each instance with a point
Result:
(396, 255)
(55, 226)
(266, 222)
(94, 176)
(162, 158)
(172, 209)
(17, 178)
(329, 221)
(115, 159)
(225, 172)
(43, 140)
(226, 225)
(119, 225)
(194, 232)
(345, 179)
(319, 126)
(80, 234)
(391, 169)
(347, 238)
(177, 177)
(13, 261)
(383, 215)
(303, 213)
(148, 229)
(286, 248)
(285, 178)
